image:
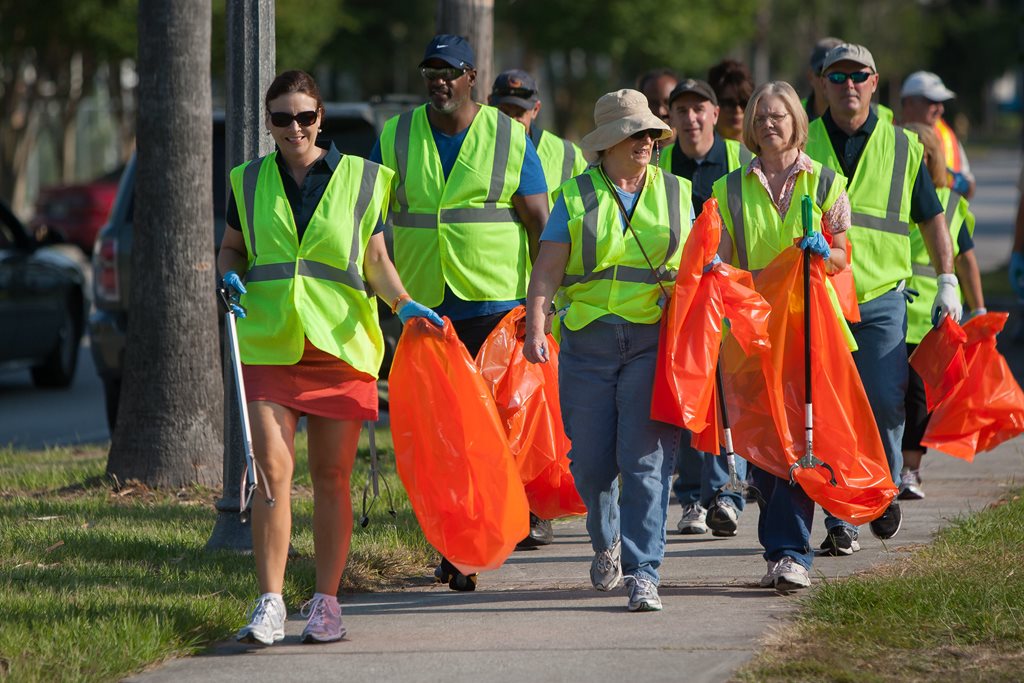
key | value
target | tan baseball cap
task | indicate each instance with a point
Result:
(849, 52)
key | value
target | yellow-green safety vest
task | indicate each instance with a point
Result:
(879, 195)
(919, 312)
(561, 160)
(736, 155)
(606, 272)
(314, 288)
(463, 231)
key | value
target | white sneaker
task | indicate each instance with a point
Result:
(643, 594)
(790, 575)
(692, 521)
(606, 568)
(910, 485)
(266, 623)
(324, 625)
(722, 517)
(768, 580)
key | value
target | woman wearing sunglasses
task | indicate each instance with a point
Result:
(304, 236)
(613, 243)
(760, 204)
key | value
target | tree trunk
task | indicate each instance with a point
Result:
(170, 425)
(473, 19)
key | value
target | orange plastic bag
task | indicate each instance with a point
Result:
(987, 407)
(526, 395)
(765, 398)
(940, 361)
(451, 451)
(844, 285)
(684, 392)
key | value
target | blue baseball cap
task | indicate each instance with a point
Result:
(453, 50)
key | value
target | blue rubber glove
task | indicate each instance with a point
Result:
(960, 184)
(815, 242)
(236, 289)
(411, 309)
(1017, 273)
(714, 262)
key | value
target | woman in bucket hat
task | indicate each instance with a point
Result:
(613, 243)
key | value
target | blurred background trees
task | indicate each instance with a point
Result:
(67, 68)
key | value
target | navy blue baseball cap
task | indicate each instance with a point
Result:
(453, 50)
(514, 87)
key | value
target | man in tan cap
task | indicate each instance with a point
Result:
(613, 243)
(889, 188)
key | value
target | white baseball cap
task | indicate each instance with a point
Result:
(927, 85)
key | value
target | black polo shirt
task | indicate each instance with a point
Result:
(702, 174)
(302, 200)
(924, 203)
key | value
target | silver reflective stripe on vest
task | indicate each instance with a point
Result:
(367, 183)
(502, 143)
(954, 200)
(405, 219)
(568, 161)
(403, 131)
(250, 178)
(588, 248)
(270, 271)
(734, 197)
(466, 214)
(825, 180)
(922, 269)
(321, 271)
(891, 223)
(746, 156)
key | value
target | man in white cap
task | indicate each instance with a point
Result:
(922, 97)
(889, 188)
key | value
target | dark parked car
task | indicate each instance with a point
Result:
(353, 127)
(77, 211)
(42, 304)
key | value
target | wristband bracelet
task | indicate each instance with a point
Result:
(398, 300)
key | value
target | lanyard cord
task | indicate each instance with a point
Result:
(629, 224)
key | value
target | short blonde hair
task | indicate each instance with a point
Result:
(934, 155)
(790, 100)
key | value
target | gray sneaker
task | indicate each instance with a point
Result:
(790, 575)
(722, 517)
(768, 580)
(692, 521)
(606, 568)
(910, 485)
(643, 594)
(324, 625)
(266, 623)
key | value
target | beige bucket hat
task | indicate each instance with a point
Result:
(618, 115)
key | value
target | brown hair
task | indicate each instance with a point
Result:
(731, 77)
(293, 81)
(785, 92)
(934, 156)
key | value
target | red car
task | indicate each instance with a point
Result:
(76, 212)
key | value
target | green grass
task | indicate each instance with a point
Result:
(953, 611)
(97, 583)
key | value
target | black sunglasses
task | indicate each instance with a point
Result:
(282, 119)
(731, 103)
(652, 133)
(445, 73)
(524, 93)
(838, 77)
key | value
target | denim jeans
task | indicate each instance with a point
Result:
(784, 525)
(702, 476)
(605, 376)
(882, 363)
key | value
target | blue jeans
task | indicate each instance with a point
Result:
(702, 476)
(882, 363)
(605, 376)
(784, 525)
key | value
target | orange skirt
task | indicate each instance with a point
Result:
(319, 384)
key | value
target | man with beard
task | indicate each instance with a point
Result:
(469, 204)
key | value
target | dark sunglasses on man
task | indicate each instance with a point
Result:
(282, 119)
(838, 77)
(445, 73)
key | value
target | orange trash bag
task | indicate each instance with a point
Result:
(451, 451)
(844, 285)
(526, 395)
(684, 392)
(987, 407)
(765, 397)
(940, 361)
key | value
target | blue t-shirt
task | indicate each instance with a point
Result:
(531, 181)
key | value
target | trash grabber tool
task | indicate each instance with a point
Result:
(735, 484)
(250, 477)
(808, 460)
(375, 478)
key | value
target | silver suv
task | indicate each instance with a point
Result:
(354, 128)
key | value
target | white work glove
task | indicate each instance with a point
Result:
(947, 300)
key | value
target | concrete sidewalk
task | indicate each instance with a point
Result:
(538, 619)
